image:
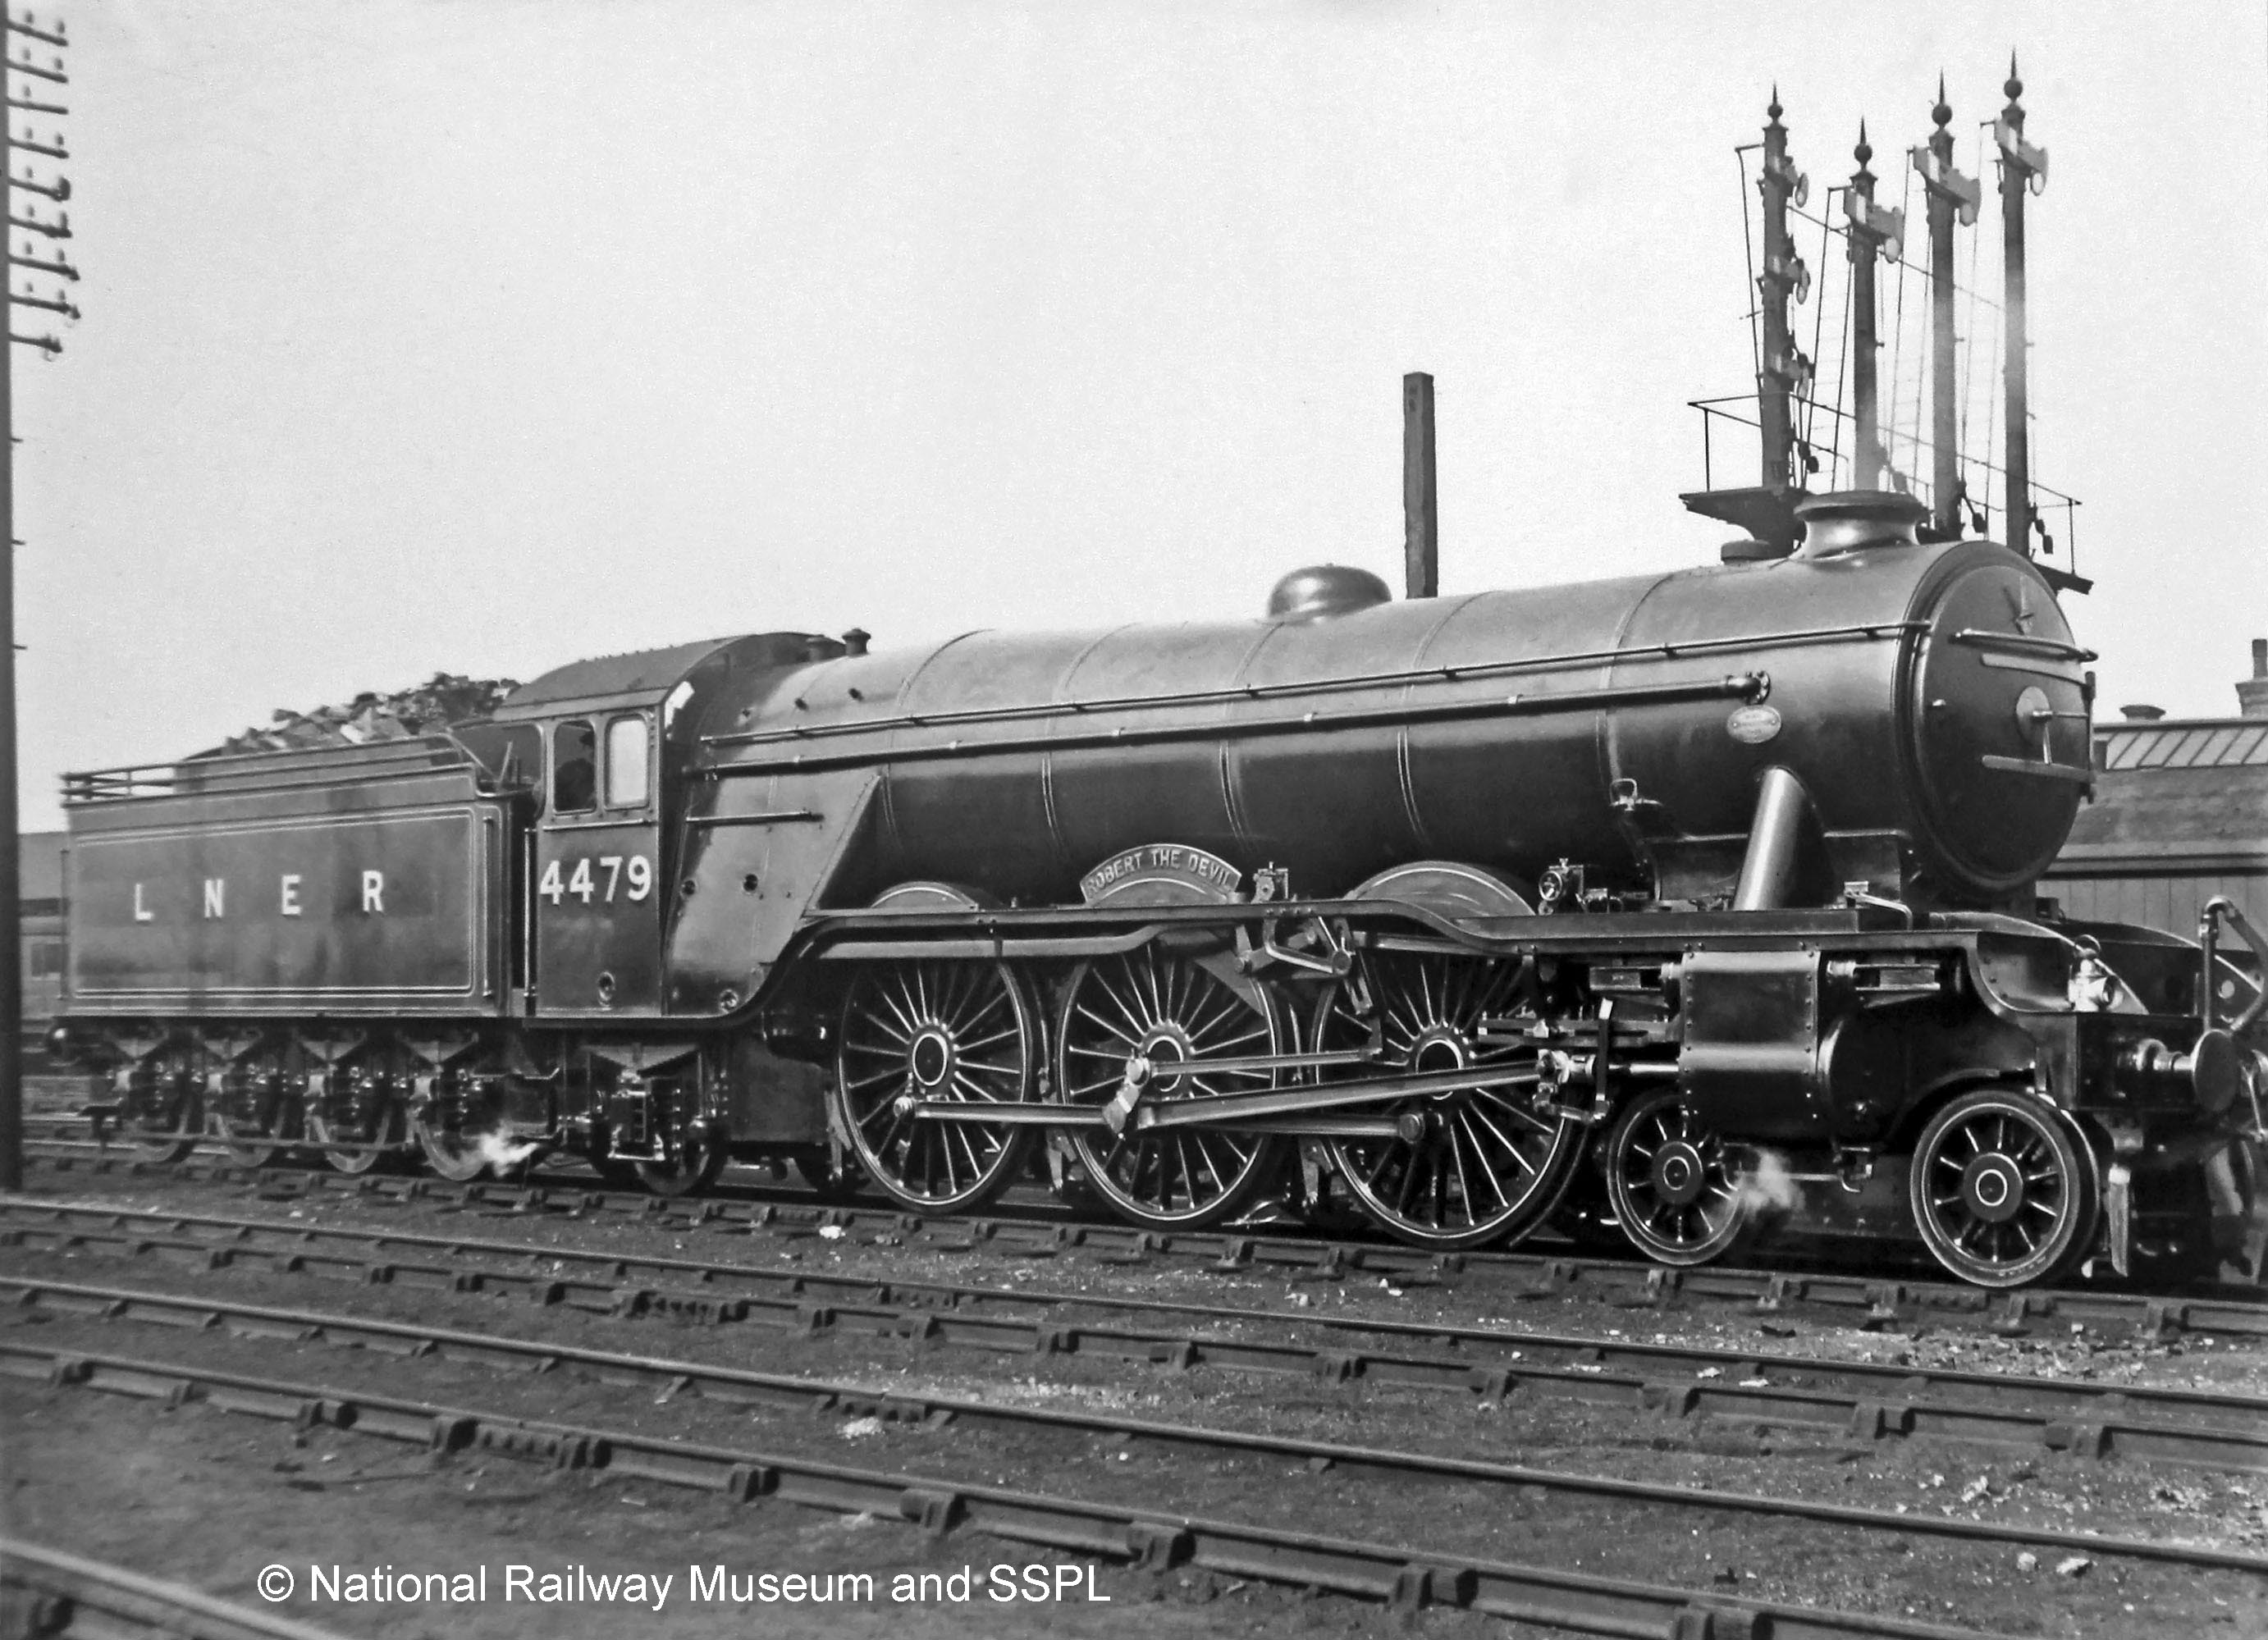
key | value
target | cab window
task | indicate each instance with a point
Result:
(626, 764)
(574, 770)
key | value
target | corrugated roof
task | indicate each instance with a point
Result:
(2184, 743)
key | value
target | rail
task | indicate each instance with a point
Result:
(1917, 450)
(301, 768)
(1879, 1400)
(1407, 1576)
(1873, 1299)
(65, 1585)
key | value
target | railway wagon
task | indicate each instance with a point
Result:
(1446, 906)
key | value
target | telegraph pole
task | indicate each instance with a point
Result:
(30, 70)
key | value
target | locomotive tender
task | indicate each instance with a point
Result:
(1463, 908)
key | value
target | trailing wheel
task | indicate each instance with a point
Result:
(948, 1036)
(1142, 1015)
(2002, 1190)
(699, 1158)
(1674, 1188)
(1465, 1167)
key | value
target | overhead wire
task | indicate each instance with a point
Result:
(1991, 399)
(1748, 246)
(1897, 357)
(1966, 374)
(1818, 324)
(1921, 346)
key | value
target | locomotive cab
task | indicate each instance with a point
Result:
(599, 863)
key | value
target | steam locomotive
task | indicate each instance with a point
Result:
(1463, 911)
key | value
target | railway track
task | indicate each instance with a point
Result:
(1022, 1234)
(55, 1593)
(1870, 1401)
(1406, 1577)
(671, 1379)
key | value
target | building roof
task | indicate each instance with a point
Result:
(2183, 743)
(2175, 793)
(2192, 813)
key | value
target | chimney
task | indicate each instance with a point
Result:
(1421, 510)
(2141, 714)
(2252, 693)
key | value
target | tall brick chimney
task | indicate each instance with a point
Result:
(2252, 693)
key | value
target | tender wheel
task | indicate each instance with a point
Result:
(165, 1121)
(1152, 1012)
(1484, 1165)
(451, 1155)
(1672, 1187)
(362, 1124)
(2001, 1191)
(936, 1032)
(456, 1134)
(257, 1122)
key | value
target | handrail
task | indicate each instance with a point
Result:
(1671, 650)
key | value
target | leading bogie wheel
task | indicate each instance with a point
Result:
(1143, 1013)
(920, 1042)
(2003, 1190)
(1674, 1187)
(1468, 1168)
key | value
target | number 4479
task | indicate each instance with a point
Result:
(633, 874)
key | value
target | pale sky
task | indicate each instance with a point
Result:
(483, 337)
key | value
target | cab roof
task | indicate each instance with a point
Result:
(646, 676)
